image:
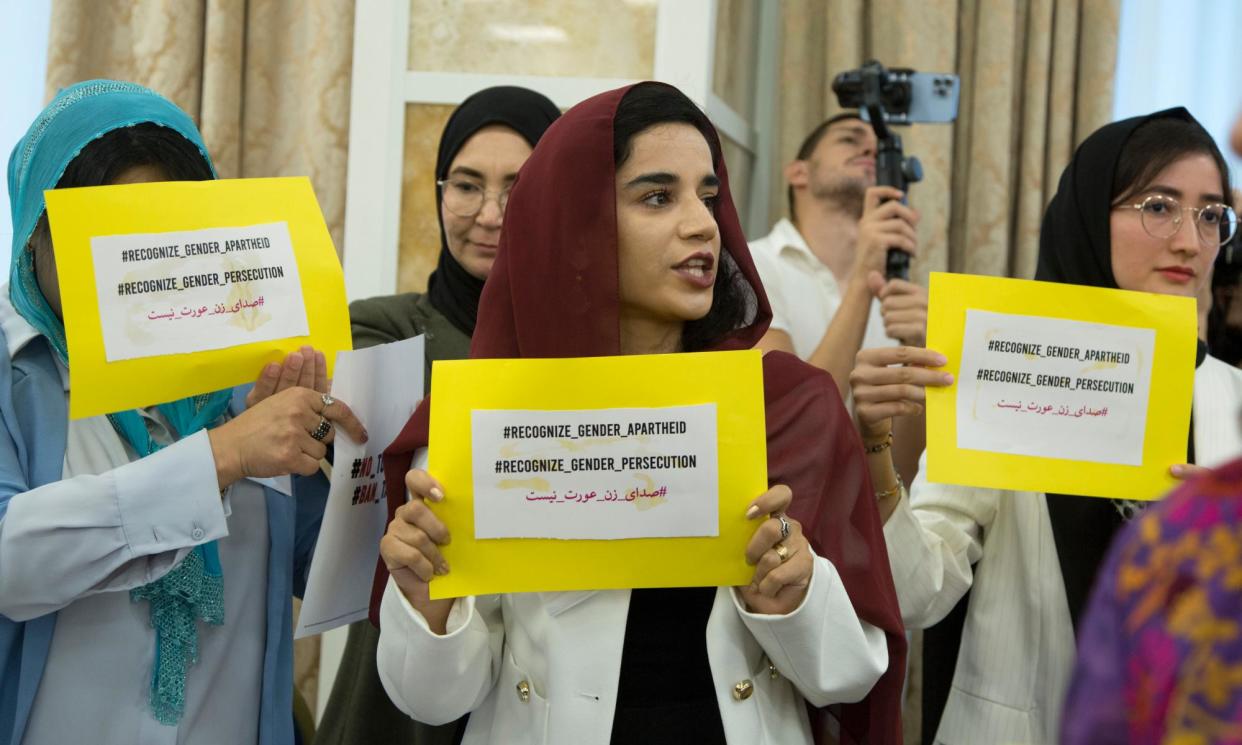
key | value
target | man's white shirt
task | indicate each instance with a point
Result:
(803, 291)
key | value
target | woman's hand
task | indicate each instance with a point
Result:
(903, 306)
(411, 548)
(275, 436)
(305, 368)
(783, 563)
(888, 382)
(1187, 471)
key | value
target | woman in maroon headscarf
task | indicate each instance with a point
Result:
(621, 238)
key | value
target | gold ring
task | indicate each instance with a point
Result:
(782, 551)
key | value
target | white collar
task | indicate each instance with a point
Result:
(18, 332)
(786, 237)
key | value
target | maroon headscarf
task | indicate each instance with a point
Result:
(553, 292)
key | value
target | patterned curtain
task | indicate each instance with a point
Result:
(267, 82)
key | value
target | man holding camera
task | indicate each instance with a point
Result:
(823, 268)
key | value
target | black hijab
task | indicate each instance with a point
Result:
(454, 291)
(1075, 248)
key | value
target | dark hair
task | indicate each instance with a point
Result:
(1225, 341)
(106, 158)
(647, 105)
(807, 149)
(1156, 145)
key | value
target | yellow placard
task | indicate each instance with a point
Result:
(732, 381)
(1172, 365)
(141, 262)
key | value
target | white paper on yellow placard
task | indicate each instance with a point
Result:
(202, 289)
(180, 288)
(1059, 388)
(600, 474)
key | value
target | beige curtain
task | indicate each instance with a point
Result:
(266, 81)
(1037, 77)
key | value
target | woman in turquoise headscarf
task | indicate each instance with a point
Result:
(147, 558)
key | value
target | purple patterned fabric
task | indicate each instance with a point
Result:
(1160, 652)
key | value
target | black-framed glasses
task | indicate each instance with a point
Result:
(1161, 216)
(465, 198)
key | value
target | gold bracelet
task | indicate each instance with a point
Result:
(880, 495)
(885, 444)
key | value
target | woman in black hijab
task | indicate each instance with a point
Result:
(1144, 205)
(484, 144)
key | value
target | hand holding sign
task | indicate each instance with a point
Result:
(410, 548)
(780, 554)
(284, 424)
(888, 382)
(306, 368)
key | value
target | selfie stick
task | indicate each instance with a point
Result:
(892, 167)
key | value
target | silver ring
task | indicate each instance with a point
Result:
(321, 431)
(327, 400)
(784, 527)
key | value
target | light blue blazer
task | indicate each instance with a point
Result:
(33, 428)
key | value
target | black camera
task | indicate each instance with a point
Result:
(897, 96)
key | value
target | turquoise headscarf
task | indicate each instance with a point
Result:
(80, 114)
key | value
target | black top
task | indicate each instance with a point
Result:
(665, 693)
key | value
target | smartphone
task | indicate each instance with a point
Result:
(933, 98)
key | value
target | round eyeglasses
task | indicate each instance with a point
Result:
(1161, 216)
(465, 198)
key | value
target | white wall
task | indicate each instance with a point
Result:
(1186, 53)
(23, 64)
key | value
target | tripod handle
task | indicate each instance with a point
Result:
(896, 261)
(896, 170)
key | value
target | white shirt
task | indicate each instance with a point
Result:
(96, 685)
(803, 291)
(1017, 650)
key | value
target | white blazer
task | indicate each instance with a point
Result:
(543, 667)
(1017, 649)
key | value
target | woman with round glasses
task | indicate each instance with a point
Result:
(1144, 205)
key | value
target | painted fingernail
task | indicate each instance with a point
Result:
(752, 512)
(436, 494)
